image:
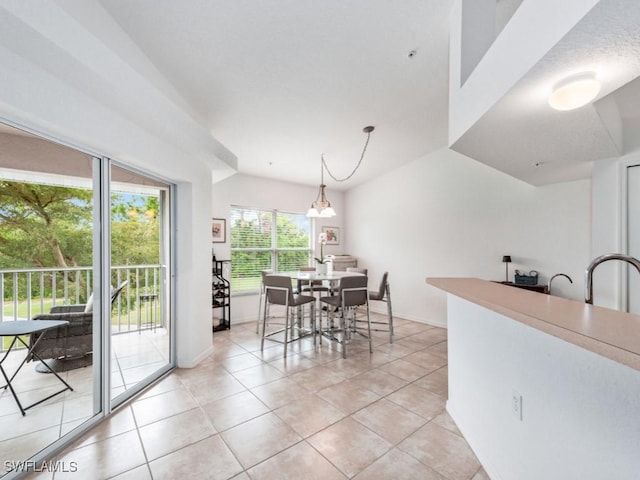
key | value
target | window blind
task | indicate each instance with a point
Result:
(266, 240)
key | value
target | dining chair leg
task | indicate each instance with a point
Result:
(264, 324)
(369, 328)
(345, 334)
(330, 324)
(259, 314)
(287, 322)
(390, 322)
(319, 323)
(390, 312)
(312, 322)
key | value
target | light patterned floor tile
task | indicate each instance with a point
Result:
(173, 433)
(278, 393)
(398, 465)
(349, 397)
(209, 458)
(161, 406)
(106, 458)
(317, 378)
(349, 446)
(436, 382)
(442, 450)
(379, 381)
(309, 414)
(258, 439)
(234, 410)
(294, 463)
(258, 375)
(408, 371)
(279, 418)
(389, 420)
(418, 400)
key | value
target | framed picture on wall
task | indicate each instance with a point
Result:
(218, 230)
(333, 235)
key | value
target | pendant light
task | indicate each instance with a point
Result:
(321, 207)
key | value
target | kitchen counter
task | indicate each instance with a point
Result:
(612, 334)
(542, 386)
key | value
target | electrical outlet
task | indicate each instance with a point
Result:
(516, 404)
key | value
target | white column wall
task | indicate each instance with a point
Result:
(446, 215)
(193, 272)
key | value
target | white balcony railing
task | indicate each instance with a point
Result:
(28, 292)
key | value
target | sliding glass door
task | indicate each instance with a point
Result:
(47, 272)
(140, 269)
(86, 240)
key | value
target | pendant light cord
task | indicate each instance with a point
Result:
(366, 144)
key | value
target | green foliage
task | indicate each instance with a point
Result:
(252, 233)
(44, 225)
(256, 235)
(289, 234)
(135, 230)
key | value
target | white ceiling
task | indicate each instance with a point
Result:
(280, 83)
(524, 137)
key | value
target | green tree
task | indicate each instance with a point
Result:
(289, 235)
(44, 225)
(135, 230)
(255, 234)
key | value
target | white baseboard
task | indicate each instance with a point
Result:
(195, 361)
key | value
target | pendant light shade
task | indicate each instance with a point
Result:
(321, 207)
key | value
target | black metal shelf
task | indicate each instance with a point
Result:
(221, 295)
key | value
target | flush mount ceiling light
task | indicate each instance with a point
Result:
(574, 91)
(321, 207)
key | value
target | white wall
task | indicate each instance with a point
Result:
(257, 192)
(447, 215)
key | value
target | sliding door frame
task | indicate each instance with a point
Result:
(103, 404)
(167, 262)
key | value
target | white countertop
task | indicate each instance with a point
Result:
(610, 333)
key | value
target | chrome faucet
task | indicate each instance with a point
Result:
(588, 283)
(558, 275)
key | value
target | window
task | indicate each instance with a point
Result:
(256, 245)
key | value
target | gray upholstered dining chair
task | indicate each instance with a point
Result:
(279, 291)
(383, 294)
(351, 293)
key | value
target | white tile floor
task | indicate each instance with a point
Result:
(136, 355)
(244, 414)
